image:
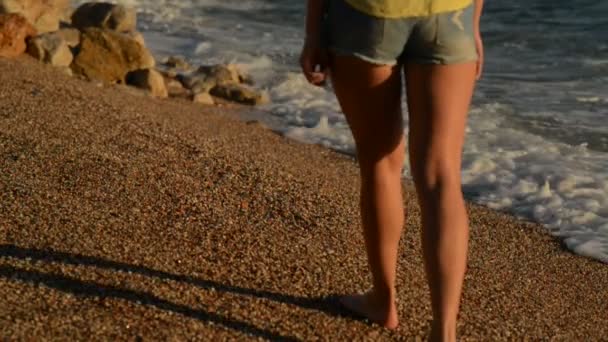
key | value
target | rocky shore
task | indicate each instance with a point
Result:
(99, 42)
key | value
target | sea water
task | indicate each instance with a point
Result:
(537, 135)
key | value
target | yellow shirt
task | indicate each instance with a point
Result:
(407, 8)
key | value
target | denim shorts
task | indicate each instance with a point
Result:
(443, 38)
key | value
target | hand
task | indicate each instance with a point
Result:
(314, 61)
(480, 53)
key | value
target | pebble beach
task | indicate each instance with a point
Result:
(127, 217)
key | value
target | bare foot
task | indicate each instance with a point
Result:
(378, 311)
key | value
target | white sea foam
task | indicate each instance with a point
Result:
(596, 61)
(561, 186)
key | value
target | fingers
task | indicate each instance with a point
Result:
(324, 64)
(315, 75)
(321, 73)
(307, 68)
(480, 60)
(318, 78)
(315, 67)
(479, 69)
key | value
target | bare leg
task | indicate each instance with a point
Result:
(438, 101)
(370, 97)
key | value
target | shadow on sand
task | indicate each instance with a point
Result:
(328, 304)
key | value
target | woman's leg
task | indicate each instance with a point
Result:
(370, 97)
(438, 101)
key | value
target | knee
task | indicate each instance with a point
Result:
(436, 177)
(382, 162)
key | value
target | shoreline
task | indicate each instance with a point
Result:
(126, 216)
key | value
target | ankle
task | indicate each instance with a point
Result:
(385, 296)
(443, 332)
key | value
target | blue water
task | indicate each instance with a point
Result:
(546, 60)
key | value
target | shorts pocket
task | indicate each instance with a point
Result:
(348, 29)
(455, 36)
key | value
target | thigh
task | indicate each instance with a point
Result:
(370, 97)
(438, 101)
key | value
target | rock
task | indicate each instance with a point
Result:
(221, 77)
(238, 73)
(198, 84)
(67, 18)
(136, 36)
(177, 62)
(105, 15)
(207, 77)
(227, 73)
(70, 35)
(66, 70)
(50, 48)
(221, 74)
(14, 30)
(246, 79)
(45, 15)
(239, 93)
(176, 89)
(187, 81)
(173, 83)
(108, 56)
(169, 74)
(203, 98)
(148, 79)
(54, 47)
(50, 20)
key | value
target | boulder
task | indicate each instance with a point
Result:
(225, 73)
(220, 74)
(108, 56)
(66, 70)
(148, 79)
(176, 89)
(45, 15)
(50, 48)
(136, 36)
(206, 77)
(186, 80)
(246, 79)
(14, 30)
(106, 16)
(197, 83)
(71, 36)
(67, 17)
(169, 74)
(239, 93)
(177, 62)
(203, 98)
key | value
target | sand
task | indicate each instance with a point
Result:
(124, 217)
